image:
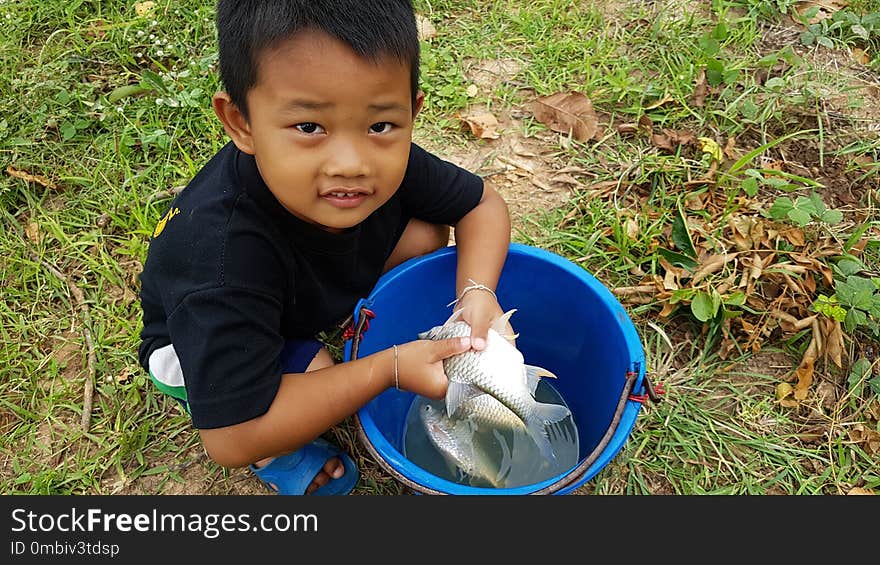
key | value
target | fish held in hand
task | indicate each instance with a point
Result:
(495, 385)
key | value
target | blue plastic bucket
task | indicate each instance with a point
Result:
(567, 322)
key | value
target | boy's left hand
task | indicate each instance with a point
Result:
(479, 310)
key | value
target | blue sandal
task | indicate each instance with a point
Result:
(294, 472)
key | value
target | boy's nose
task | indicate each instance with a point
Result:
(346, 159)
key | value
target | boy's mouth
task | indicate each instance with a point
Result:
(348, 198)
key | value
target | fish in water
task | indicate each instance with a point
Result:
(495, 385)
(454, 439)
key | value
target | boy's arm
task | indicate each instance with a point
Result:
(308, 404)
(482, 238)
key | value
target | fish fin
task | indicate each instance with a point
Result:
(539, 433)
(499, 324)
(549, 413)
(455, 315)
(510, 338)
(505, 467)
(546, 413)
(533, 376)
(457, 394)
(433, 331)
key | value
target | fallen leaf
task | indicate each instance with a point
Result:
(860, 56)
(867, 438)
(826, 9)
(144, 8)
(710, 147)
(701, 88)
(834, 346)
(730, 148)
(666, 98)
(860, 491)
(570, 113)
(540, 182)
(795, 236)
(711, 265)
(482, 124)
(32, 231)
(627, 129)
(670, 139)
(631, 227)
(25, 176)
(783, 392)
(425, 28)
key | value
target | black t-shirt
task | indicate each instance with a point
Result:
(231, 274)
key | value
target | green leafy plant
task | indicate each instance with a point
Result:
(803, 210)
(861, 373)
(860, 297)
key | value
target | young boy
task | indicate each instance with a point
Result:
(320, 191)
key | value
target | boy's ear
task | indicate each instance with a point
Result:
(420, 100)
(234, 122)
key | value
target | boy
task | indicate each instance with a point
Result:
(319, 192)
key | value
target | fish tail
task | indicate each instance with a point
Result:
(539, 433)
(546, 413)
(549, 413)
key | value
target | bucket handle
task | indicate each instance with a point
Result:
(578, 472)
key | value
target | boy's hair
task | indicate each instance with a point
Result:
(372, 28)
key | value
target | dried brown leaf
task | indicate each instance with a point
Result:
(711, 265)
(804, 374)
(631, 227)
(425, 28)
(783, 391)
(482, 124)
(826, 9)
(670, 139)
(856, 491)
(32, 231)
(834, 346)
(860, 56)
(627, 129)
(666, 98)
(541, 182)
(795, 236)
(25, 176)
(701, 88)
(570, 113)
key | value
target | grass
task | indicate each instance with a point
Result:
(107, 111)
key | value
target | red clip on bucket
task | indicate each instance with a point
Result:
(567, 321)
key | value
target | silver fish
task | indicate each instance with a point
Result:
(454, 439)
(495, 382)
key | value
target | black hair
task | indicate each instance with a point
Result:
(372, 28)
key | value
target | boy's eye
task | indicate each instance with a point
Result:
(309, 127)
(381, 127)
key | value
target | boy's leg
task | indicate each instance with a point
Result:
(333, 468)
(418, 238)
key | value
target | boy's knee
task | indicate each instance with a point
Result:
(419, 238)
(322, 360)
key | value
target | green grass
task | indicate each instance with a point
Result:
(113, 111)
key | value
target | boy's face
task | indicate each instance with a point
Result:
(330, 131)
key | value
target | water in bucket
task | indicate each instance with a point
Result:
(509, 457)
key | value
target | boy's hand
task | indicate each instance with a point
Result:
(480, 309)
(420, 365)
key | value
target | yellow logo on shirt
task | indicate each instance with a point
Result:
(167, 218)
